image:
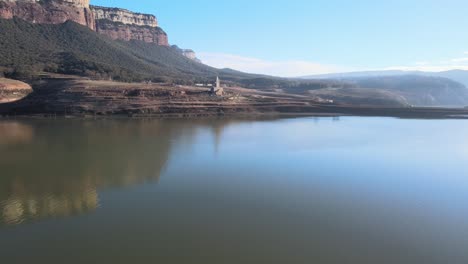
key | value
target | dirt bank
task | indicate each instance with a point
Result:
(81, 97)
(13, 90)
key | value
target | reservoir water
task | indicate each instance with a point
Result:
(300, 190)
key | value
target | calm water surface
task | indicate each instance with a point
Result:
(306, 190)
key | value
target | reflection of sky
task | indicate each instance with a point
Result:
(278, 183)
(410, 170)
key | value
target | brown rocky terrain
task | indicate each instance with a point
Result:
(12, 90)
(188, 53)
(48, 12)
(76, 96)
(127, 32)
(123, 24)
(124, 16)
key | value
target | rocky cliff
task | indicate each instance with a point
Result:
(124, 16)
(122, 24)
(76, 3)
(115, 23)
(188, 53)
(116, 30)
(48, 12)
(12, 90)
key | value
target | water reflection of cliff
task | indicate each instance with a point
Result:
(13, 132)
(55, 168)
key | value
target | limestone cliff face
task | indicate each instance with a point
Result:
(115, 23)
(122, 24)
(124, 16)
(126, 32)
(188, 53)
(76, 3)
(48, 12)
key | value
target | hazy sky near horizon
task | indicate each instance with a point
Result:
(302, 37)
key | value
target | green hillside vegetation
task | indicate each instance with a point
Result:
(26, 50)
(69, 48)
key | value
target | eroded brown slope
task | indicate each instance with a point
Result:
(67, 95)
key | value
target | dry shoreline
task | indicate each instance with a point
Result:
(82, 98)
(273, 115)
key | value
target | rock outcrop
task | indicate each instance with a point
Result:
(49, 12)
(115, 23)
(13, 90)
(124, 16)
(76, 3)
(122, 24)
(116, 30)
(188, 53)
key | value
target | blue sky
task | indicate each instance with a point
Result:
(300, 37)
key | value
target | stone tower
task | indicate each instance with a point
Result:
(217, 89)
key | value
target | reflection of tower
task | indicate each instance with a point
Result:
(217, 130)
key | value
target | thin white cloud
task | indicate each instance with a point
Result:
(295, 68)
(290, 68)
(428, 68)
(437, 66)
(422, 63)
(460, 60)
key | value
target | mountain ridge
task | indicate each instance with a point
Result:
(458, 75)
(70, 48)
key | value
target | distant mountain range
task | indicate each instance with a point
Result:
(460, 76)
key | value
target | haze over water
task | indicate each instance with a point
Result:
(304, 190)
